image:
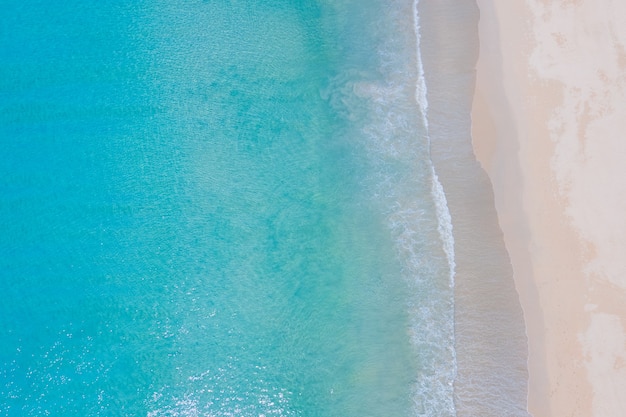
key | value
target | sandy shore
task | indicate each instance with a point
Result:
(549, 127)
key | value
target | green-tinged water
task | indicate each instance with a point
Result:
(191, 221)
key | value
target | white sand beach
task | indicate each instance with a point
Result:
(549, 127)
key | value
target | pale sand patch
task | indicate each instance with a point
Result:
(604, 343)
(584, 50)
(549, 118)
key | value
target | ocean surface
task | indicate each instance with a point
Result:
(248, 208)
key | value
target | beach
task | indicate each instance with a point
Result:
(546, 127)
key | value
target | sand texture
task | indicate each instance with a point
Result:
(549, 127)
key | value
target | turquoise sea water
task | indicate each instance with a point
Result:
(220, 208)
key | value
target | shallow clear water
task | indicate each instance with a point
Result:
(219, 208)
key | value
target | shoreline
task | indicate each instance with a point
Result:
(490, 340)
(543, 131)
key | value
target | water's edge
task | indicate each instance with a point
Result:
(490, 338)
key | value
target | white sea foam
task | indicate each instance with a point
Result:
(393, 104)
(443, 213)
(444, 220)
(444, 226)
(421, 90)
(418, 214)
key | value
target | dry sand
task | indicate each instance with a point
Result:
(549, 127)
